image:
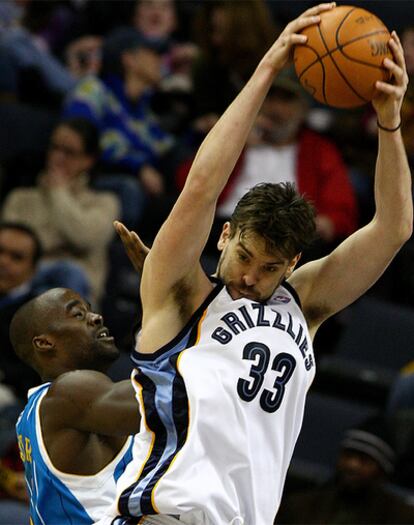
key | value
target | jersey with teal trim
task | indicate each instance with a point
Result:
(58, 498)
(222, 408)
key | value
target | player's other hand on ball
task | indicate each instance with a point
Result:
(388, 100)
(280, 53)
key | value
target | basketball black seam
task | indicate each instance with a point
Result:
(322, 66)
(339, 48)
(326, 47)
(318, 59)
(323, 80)
(336, 65)
(341, 23)
(352, 59)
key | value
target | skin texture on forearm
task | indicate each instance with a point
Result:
(393, 197)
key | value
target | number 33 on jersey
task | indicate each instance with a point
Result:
(237, 375)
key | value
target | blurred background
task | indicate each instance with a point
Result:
(103, 105)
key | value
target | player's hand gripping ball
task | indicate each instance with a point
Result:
(343, 57)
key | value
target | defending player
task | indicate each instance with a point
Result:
(73, 432)
(224, 365)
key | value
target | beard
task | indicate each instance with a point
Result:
(282, 133)
(100, 357)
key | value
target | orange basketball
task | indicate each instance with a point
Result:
(343, 57)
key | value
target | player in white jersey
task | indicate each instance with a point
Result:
(223, 366)
(74, 432)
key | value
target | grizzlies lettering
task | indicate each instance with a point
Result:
(242, 320)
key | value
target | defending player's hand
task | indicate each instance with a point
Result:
(279, 53)
(390, 96)
(134, 247)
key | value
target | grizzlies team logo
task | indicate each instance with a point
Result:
(280, 299)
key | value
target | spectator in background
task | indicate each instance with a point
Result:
(37, 76)
(10, 13)
(84, 56)
(400, 415)
(282, 149)
(20, 251)
(73, 222)
(155, 20)
(119, 104)
(232, 37)
(14, 506)
(158, 21)
(359, 492)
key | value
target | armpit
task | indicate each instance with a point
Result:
(316, 314)
(182, 294)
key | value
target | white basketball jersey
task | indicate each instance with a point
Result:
(222, 408)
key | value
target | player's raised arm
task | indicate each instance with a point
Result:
(177, 248)
(330, 284)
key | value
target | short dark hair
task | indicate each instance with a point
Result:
(22, 328)
(87, 131)
(38, 250)
(278, 213)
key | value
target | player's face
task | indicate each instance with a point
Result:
(80, 335)
(248, 269)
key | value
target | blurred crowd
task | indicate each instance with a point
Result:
(103, 105)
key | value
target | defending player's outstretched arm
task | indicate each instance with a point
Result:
(330, 284)
(173, 263)
(89, 401)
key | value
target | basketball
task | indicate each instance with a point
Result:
(343, 57)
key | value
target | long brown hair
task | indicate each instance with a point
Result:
(251, 30)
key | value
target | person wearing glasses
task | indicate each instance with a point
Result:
(72, 220)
